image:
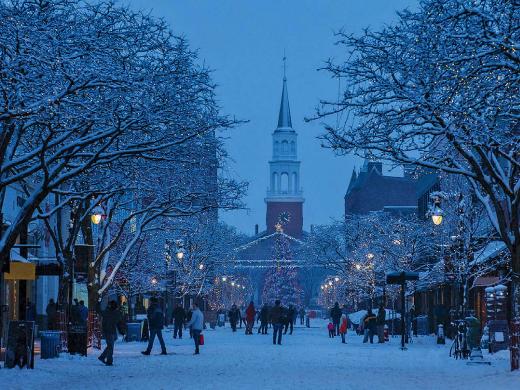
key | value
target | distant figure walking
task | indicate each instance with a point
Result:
(302, 316)
(380, 324)
(330, 328)
(234, 315)
(179, 317)
(343, 328)
(51, 314)
(155, 323)
(264, 319)
(335, 314)
(250, 318)
(111, 319)
(369, 324)
(197, 324)
(291, 316)
(277, 321)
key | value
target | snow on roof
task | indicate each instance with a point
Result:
(490, 251)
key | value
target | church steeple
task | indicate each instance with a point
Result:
(284, 195)
(284, 116)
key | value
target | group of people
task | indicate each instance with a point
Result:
(282, 319)
(369, 326)
(113, 321)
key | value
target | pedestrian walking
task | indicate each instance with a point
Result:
(302, 316)
(343, 328)
(178, 319)
(369, 324)
(155, 317)
(335, 314)
(291, 315)
(250, 318)
(330, 328)
(83, 313)
(111, 321)
(196, 323)
(380, 324)
(51, 311)
(242, 317)
(234, 316)
(264, 319)
(277, 319)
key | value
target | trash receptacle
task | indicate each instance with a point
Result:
(50, 344)
(133, 331)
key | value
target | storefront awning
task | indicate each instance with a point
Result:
(485, 281)
(21, 271)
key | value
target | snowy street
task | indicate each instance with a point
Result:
(307, 360)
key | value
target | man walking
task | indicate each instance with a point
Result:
(291, 315)
(83, 313)
(335, 314)
(234, 315)
(179, 317)
(264, 319)
(155, 323)
(277, 321)
(111, 317)
(197, 324)
(51, 314)
(380, 323)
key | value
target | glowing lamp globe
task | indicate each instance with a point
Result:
(437, 216)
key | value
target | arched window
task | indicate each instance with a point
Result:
(285, 147)
(295, 182)
(274, 182)
(293, 147)
(284, 185)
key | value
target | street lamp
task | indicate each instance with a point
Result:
(98, 214)
(336, 279)
(370, 256)
(437, 215)
(201, 266)
(358, 266)
(180, 253)
(224, 278)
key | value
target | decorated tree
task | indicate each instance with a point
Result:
(281, 282)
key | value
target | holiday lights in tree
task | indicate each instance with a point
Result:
(281, 282)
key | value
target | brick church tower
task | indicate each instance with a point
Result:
(284, 197)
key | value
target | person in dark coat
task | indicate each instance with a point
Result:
(277, 317)
(335, 314)
(83, 313)
(179, 317)
(234, 315)
(30, 311)
(369, 324)
(291, 315)
(250, 317)
(155, 323)
(51, 311)
(111, 319)
(264, 319)
(380, 323)
(302, 316)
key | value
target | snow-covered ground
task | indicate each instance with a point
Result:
(307, 360)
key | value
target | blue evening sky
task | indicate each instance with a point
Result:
(244, 42)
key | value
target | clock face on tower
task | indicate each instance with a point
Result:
(284, 218)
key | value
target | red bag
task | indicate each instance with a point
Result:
(201, 339)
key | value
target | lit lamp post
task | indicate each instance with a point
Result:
(437, 213)
(98, 215)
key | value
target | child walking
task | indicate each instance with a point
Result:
(330, 327)
(343, 328)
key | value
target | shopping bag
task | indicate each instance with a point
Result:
(201, 339)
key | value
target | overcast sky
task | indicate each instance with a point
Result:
(244, 42)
